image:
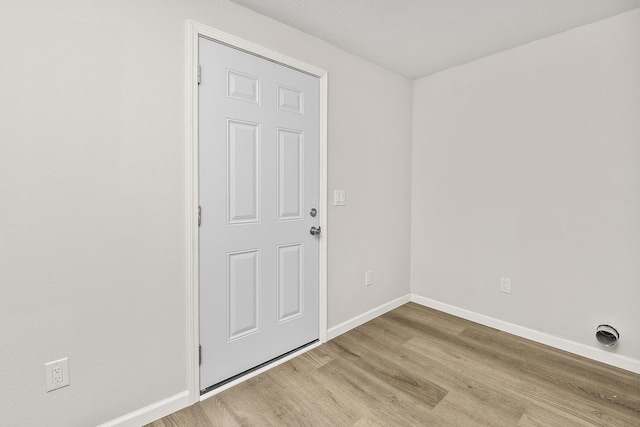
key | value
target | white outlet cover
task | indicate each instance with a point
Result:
(57, 374)
(505, 285)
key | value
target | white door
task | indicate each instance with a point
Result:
(259, 193)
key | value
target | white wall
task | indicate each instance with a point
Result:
(526, 164)
(92, 184)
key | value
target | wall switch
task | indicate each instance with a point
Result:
(340, 198)
(505, 285)
(367, 278)
(57, 374)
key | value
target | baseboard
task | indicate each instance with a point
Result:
(593, 353)
(365, 317)
(152, 412)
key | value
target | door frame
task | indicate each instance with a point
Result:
(194, 31)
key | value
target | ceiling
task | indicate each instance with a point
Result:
(416, 38)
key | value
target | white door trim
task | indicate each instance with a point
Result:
(195, 30)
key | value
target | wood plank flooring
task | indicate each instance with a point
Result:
(415, 366)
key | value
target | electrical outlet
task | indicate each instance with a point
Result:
(367, 278)
(505, 285)
(57, 374)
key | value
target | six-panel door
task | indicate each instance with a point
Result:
(258, 181)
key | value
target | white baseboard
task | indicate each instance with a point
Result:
(365, 317)
(152, 412)
(593, 353)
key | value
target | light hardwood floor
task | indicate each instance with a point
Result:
(415, 366)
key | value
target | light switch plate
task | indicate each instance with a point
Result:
(368, 281)
(340, 198)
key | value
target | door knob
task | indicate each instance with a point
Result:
(315, 231)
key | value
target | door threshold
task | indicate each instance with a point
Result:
(230, 382)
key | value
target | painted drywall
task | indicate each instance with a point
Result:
(526, 165)
(93, 191)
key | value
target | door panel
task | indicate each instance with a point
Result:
(258, 172)
(243, 191)
(290, 174)
(290, 282)
(243, 289)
